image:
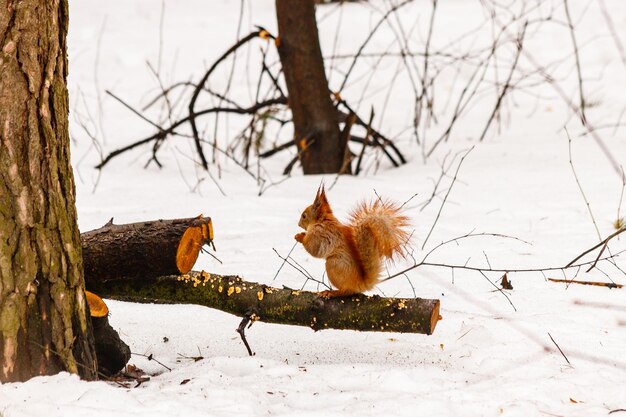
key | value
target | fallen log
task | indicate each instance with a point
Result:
(275, 305)
(142, 262)
(153, 248)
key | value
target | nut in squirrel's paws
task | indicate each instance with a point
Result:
(300, 237)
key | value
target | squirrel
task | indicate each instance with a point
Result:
(354, 252)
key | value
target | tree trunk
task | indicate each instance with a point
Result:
(275, 305)
(316, 124)
(44, 320)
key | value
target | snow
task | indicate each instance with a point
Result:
(484, 359)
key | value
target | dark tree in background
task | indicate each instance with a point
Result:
(44, 318)
(315, 119)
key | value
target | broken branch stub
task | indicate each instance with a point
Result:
(112, 353)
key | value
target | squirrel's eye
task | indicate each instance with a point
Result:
(304, 215)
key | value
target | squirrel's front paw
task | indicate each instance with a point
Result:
(299, 237)
(334, 293)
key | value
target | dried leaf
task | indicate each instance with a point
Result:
(506, 284)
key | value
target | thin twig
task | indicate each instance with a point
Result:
(284, 261)
(378, 138)
(583, 117)
(594, 283)
(507, 84)
(602, 243)
(276, 149)
(564, 96)
(619, 221)
(443, 173)
(498, 289)
(368, 38)
(366, 141)
(171, 129)
(150, 357)
(559, 348)
(131, 108)
(300, 269)
(614, 35)
(582, 192)
(200, 86)
(446, 196)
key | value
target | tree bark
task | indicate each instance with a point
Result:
(44, 320)
(152, 248)
(316, 124)
(273, 305)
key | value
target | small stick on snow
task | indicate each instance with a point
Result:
(559, 348)
(598, 284)
(150, 357)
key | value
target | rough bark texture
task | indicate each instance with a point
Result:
(44, 320)
(315, 119)
(273, 305)
(136, 249)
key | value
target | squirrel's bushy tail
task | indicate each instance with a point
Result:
(380, 233)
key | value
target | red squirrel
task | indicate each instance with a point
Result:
(354, 252)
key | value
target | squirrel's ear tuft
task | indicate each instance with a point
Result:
(320, 195)
(317, 201)
(321, 205)
(322, 192)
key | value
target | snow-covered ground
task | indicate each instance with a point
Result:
(484, 359)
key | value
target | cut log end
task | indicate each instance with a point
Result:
(97, 307)
(435, 316)
(196, 236)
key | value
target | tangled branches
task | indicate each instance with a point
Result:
(464, 83)
(261, 112)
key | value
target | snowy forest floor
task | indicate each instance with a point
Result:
(486, 357)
